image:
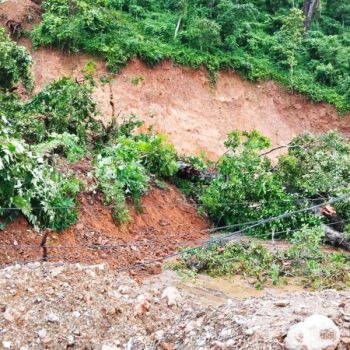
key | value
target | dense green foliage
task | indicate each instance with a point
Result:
(29, 184)
(304, 260)
(260, 39)
(15, 63)
(248, 187)
(125, 166)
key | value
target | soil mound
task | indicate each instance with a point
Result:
(166, 222)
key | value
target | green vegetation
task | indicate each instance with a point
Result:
(15, 63)
(260, 39)
(248, 187)
(127, 164)
(304, 260)
(58, 126)
(29, 184)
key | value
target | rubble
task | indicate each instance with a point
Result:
(62, 307)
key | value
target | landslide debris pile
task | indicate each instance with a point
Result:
(47, 306)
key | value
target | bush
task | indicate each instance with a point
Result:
(123, 168)
(61, 107)
(15, 63)
(30, 186)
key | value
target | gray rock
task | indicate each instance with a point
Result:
(51, 317)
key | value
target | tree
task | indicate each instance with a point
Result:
(291, 35)
(182, 5)
(309, 9)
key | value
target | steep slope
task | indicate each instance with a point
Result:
(182, 103)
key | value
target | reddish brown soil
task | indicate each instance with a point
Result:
(182, 104)
(25, 12)
(168, 222)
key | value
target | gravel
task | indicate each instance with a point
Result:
(91, 307)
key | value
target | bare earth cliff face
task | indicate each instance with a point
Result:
(184, 105)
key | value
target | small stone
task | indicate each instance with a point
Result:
(142, 307)
(249, 331)
(11, 315)
(46, 340)
(51, 317)
(76, 314)
(70, 340)
(158, 335)
(7, 344)
(166, 346)
(229, 344)
(57, 271)
(190, 326)
(172, 295)
(124, 290)
(316, 332)
(282, 303)
(42, 333)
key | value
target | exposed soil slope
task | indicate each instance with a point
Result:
(197, 116)
(168, 221)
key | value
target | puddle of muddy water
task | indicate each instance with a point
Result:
(217, 290)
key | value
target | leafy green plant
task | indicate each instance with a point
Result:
(63, 106)
(65, 143)
(261, 266)
(123, 168)
(15, 63)
(28, 185)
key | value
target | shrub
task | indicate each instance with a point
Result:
(123, 167)
(63, 106)
(15, 63)
(31, 187)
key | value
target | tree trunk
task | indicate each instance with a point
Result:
(336, 238)
(178, 26)
(309, 8)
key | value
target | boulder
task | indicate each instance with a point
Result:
(316, 332)
(172, 295)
